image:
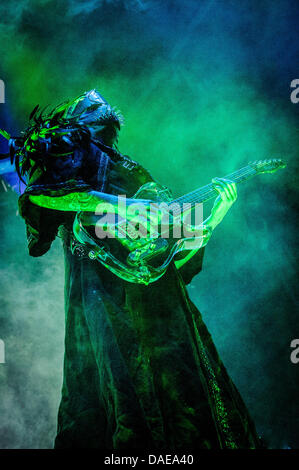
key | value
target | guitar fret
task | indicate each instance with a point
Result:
(208, 192)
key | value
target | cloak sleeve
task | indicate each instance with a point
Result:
(80, 171)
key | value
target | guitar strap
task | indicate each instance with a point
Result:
(124, 160)
(131, 167)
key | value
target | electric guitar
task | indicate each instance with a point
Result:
(144, 259)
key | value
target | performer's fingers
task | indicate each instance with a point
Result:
(235, 192)
(220, 191)
(222, 183)
(231, 186)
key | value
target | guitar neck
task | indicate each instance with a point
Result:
(208, 192)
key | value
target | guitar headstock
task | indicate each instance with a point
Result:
(268, 166)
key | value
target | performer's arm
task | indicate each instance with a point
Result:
(227, 196)
(89, 201)
(85, 201)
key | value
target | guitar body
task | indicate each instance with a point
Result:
(141, 260)
(145, 258)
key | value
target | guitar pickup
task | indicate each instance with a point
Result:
(150, 250)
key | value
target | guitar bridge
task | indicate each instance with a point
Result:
(151, 249)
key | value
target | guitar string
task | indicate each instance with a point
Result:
(240, 173)
(201, 194)
(207, 193)
(244, 172)
(196, 195)
(208, 189)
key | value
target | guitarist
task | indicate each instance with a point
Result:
(140, 367)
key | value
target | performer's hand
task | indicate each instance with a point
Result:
(145, 214)
(227, 196)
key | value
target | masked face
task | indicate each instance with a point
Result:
(95, 112)
(106, 134)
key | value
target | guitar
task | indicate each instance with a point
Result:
(144, 260)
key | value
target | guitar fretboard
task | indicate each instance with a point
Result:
(208, 192)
